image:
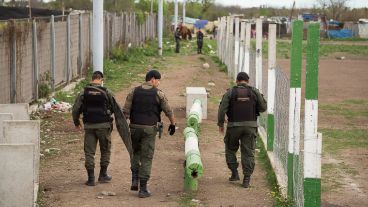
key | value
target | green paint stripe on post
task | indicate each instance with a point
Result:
(296, 54)
(270, 131)
(312, 192)
(311, 91)
(290, 186)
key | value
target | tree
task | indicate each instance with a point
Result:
(335, 8)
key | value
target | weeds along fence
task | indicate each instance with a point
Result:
(41, 54)
(294, 152)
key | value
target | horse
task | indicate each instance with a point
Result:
(185, 31)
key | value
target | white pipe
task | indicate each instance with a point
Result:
(183, 12)
(176, 15)
(98, 35)
(247, 46)
(160, 27)
(259, 54)
(236, 52)
(242, 44)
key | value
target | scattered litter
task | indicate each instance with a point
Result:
(168, 195)
(106, 193)
(99, 197)
(195, 200)
(341, 58)
(53, 104)
(50, 150)
(206, 65)
(73, 141)
(211, 84)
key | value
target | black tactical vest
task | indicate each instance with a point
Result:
(242, 105)
(146, 109)
(95, 105)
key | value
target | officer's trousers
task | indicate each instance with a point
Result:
(245, 137)
(91, 136)
(143, 141)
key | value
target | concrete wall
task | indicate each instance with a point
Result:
(4, 116)
(19, 111)
(17, 175)
(20, 132)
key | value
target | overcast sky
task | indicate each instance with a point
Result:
(286, 3)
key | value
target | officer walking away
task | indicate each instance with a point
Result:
(199, 41)
(96, 104)
(177, 39)
(143, 106)
(241, 104)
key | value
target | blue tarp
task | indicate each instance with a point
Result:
(200, 23)
(344, 33)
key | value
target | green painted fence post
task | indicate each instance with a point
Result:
(294, 103)
(312, 140)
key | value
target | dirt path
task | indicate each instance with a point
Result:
(64, 178)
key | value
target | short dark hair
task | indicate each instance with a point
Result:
(153, 74)
(242, 76)
(97, 75)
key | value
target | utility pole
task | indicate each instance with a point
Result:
(98, 35)
(30, 8)
(151, 6)
(176, 15)
(160, 25)
(183, 12)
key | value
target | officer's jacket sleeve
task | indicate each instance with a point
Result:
(128, 104)
(77, 109)
(164, 103)
(223, 108)
(261, 101)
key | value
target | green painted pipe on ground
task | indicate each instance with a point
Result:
(195, 115)
(193, 164)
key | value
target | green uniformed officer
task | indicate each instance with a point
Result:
(96, 104)
(143, 107)
(241, 104)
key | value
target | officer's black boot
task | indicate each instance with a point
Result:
(135, 181)
(246, 181)
(91, 177)
(143, 191)
(234, 175)
(104, 177)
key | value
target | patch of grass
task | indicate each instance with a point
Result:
(338, 139)
(215, 100)
(331, 179)
(221, 66)
(185, 200)
(353, 39)
(348, 109)
(279, 200)
(284, 48)
(40, 196)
